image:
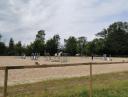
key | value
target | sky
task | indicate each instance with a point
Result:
(21, 19)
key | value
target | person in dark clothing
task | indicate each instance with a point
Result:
(92, 57)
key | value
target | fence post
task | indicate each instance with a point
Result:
(5, 82)
(91, 89)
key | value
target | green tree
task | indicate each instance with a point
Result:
(103, 34)
(41, 35)
(38, 46)
(71, 45)
(56, 39)
(0, 37)
(52, 45)
(2, 47)
(90, 48)
(81, 45)
(19, 48)
(117, 40)
(11, 49)
(29, 49)
(99, 46)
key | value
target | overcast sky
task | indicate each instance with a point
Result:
(21, 19)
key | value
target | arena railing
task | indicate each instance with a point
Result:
(7, 68)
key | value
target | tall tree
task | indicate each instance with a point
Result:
(38, 46)
(52, 45)
(40, 35)
(103, 34)
(11, 43)
(115, 38)
(19, 48)
(99, 46)
(2, 47)
(71, 45)
(81, 45)
(11, 50)
(90, 48)
(0, 37)
(56, 39)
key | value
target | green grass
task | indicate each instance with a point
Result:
(105, 85)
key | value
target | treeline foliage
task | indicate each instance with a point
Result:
(112, 40)
(115, 39)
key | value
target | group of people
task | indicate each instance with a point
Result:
(58, 57)
(105, 58)
(35, 56)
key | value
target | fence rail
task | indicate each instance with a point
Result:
(56, 65)
(6, 68)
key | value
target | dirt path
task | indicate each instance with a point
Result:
(35, 75)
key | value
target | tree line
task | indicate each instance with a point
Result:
(112, 40)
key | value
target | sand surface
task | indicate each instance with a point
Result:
(34, 75)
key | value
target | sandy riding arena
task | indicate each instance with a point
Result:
(34, 75)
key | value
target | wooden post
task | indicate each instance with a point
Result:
(5, 82)
(91, 89)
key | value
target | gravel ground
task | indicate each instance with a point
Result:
(35, 75)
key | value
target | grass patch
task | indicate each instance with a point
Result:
(104, 85)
